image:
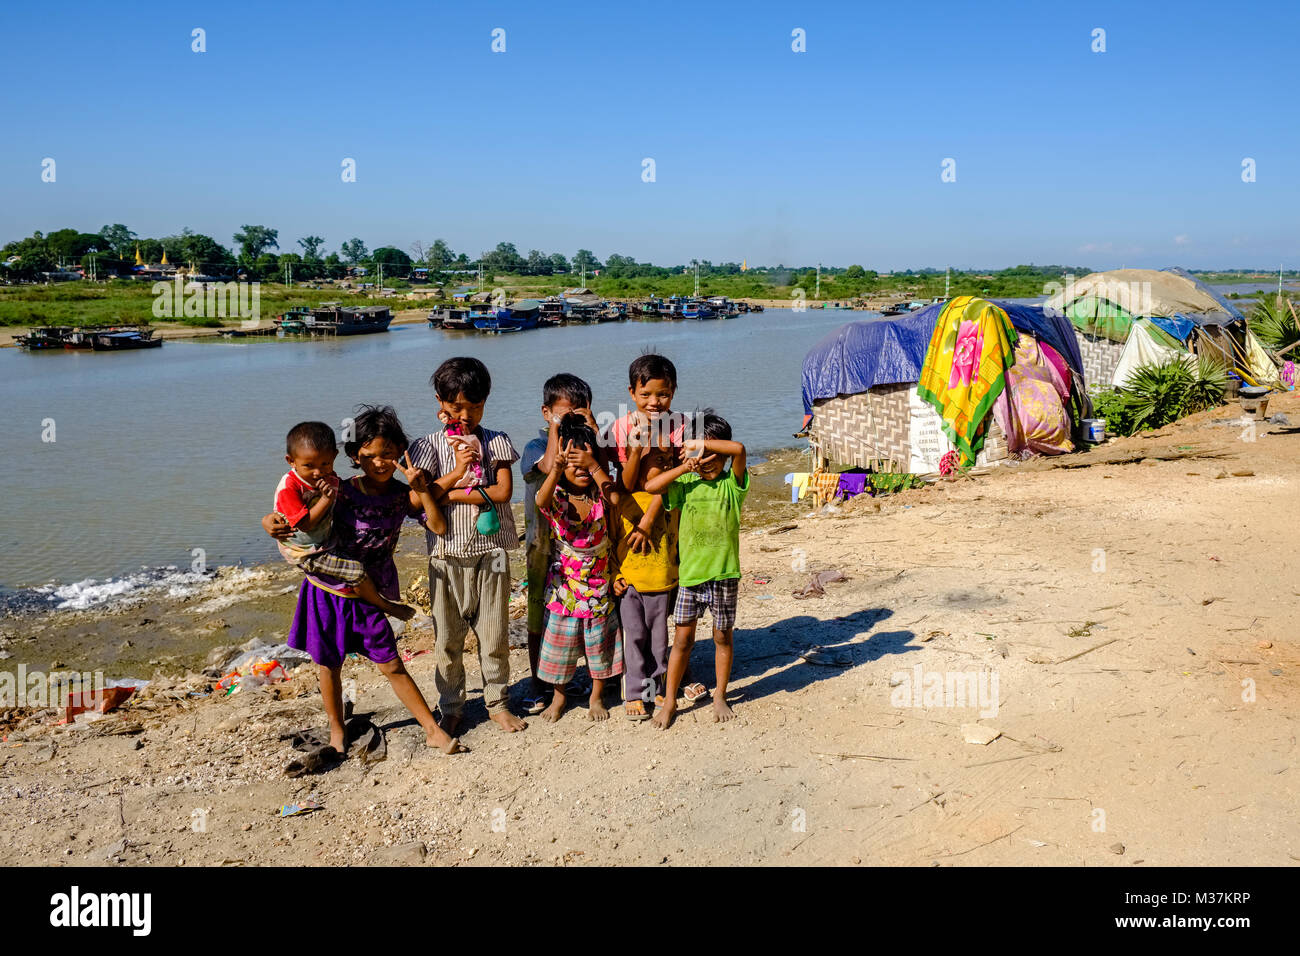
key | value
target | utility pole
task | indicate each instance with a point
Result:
(818, 293)
(947, 278)
(381, 276)
(697, 280)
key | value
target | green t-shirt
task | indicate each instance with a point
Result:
(709, 536)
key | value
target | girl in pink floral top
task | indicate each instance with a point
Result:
(579, 595)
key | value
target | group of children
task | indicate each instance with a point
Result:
(623, 527)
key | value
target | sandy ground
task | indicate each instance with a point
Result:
(1139, 618)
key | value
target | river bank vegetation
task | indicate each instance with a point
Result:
(113, 271)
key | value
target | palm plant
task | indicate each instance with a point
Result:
(1158, 394)
(1273, 320)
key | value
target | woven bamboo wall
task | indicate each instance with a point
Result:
(860, 430)
(1100, 359)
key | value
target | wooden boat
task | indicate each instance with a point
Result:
(44, 337)
(124, 340)
(551, 312)
(453, 320)
(672, 308)
(613, 312)
(649, 307)
(695, 309)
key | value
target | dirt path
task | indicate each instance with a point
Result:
(1139, 619)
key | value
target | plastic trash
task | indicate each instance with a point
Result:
(98, 701)
(297, 809)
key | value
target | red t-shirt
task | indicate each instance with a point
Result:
(293, 496)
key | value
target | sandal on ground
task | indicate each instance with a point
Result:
(535, 705)
(635, 710)
(577, 687)
(693, 692)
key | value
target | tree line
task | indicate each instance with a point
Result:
(255, 252)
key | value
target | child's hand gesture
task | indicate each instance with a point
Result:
(582, 458)
(415, 477)
(328, 489)
(693, 448)
(620, 585)
(638, 434)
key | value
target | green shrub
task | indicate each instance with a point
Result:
(1273, 320)
(1109, 403)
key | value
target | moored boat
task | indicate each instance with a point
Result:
(44, 337)
(120, 341)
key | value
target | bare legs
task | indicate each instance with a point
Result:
(723, 652)
(367, 592)
(331, 692)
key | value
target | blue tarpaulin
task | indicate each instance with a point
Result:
(1179, 325)
(861, 355)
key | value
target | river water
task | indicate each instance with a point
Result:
(159, 453)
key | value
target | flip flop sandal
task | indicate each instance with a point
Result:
(577, 688)
(693, 692)
(535, 705)
(635, 710)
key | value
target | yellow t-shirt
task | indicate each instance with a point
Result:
(656, 571)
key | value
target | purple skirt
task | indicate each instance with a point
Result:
(329, 627)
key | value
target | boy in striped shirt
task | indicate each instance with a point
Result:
(469, 568)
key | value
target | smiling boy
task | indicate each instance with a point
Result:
(469, 569)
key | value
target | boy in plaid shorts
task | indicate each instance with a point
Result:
(709, 496)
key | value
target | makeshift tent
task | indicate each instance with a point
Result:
(1148, 344)
(1103, 307)
(862, 407)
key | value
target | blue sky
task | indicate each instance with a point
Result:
(1128, 157)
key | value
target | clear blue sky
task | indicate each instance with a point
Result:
(1132, 156)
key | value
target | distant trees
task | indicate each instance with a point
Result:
(395, 260)
(539, 263)
(504, 258)
(119, 239)
(585, 259)
(311, 247)
(559, 263)
(354, 251)
(254, 240)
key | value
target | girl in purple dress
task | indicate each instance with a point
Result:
(330, 622)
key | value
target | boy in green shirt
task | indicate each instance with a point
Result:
(710, 498)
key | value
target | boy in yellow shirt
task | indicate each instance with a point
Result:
(646, 588)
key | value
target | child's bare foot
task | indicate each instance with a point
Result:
(450, 724)
(663, 718)
(596, 709)
(509, 722)
(338, 742)
(721, 712)
(556, 709)
(448, 745)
